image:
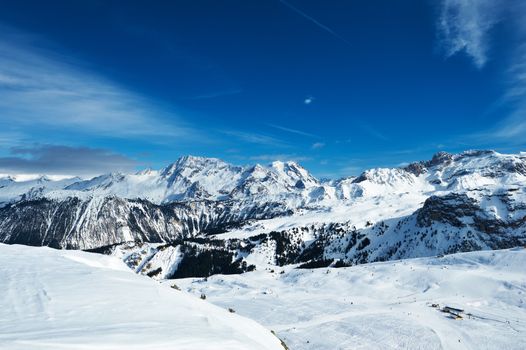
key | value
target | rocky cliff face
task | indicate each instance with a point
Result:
(74, 223)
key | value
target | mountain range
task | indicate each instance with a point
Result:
(202, 216)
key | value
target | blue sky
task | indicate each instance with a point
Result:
(340, 86)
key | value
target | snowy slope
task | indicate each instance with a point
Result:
(385, 305)
(366, 233)
(55, 299)
(14, 188)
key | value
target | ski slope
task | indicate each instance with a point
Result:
(54, 299)
(385, 305)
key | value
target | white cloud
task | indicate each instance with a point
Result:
(308, 100)
(318, 145)
(464, 26)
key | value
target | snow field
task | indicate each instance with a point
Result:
(53, 299)
(385, 305)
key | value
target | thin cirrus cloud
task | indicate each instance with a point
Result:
(255, 138)
(216, 94)
(40, 88)
(293, 131)
(314, 21)
(513, 127)
(368, 129)
(64, 160)
(465, 26)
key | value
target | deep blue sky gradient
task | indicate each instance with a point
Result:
(234, 68)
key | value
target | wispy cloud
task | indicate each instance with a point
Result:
(343, 141)
(373, 132)
(513, 128)
(255, 138)
(315, 21)
(40, 88)
(464, 26)
(64, 160)
(318, 145)
(293, 131)
(216, 94)
(10, 138)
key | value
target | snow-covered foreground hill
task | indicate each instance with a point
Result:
(53, 299)
(385, 305)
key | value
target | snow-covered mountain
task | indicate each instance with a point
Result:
(194, 195)
(233, 219)
(197, 178)
(13, 188)
(55, 299)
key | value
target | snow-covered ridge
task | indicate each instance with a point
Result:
(54, 299)
(189, 178)
(199, 196)
(198, 178)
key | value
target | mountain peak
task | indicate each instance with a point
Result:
(196, 162)
(282, 166)
(289, 166)
(147, 171)
(439, 158)
(191, 162)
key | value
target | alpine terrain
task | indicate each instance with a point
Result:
(315, 260)
(201, 216)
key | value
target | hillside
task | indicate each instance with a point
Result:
(385, 305)
(55, 299)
